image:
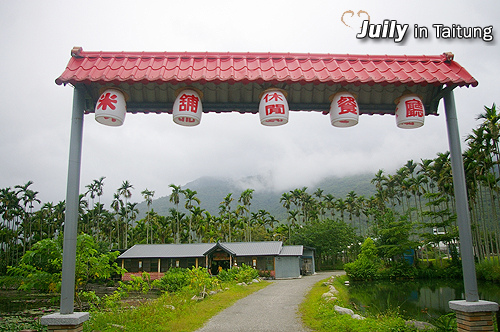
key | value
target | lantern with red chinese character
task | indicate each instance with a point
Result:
(187, 107)
(344, 110)
(273, 107)
(410, 112)
(111, 107)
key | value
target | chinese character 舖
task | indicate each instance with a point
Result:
(188, 103)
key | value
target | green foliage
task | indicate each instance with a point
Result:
(200, 281)
(243, 273)
(40, 268)
(92, 265)
(446, 323)
(393, 235)
(489, 269)
(445, 270)
(174, 280)
(399, 270)
(195, 280)
(368, 265)
(329, 238)
(21, 323)
(136, 284)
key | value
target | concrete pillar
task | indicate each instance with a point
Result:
(462, 203)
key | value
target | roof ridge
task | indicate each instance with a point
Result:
(80, 53)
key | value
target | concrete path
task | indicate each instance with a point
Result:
(273, 308)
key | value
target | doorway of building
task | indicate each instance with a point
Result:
(220, 261)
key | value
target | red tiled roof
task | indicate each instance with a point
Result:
(190, 67)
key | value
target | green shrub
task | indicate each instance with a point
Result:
(489, 269)
(368, 265)
(200, 281)
(228, 275)
(174, 280)
(244, 273)
(399, 270)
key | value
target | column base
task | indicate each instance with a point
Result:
(65, 322)
(474, 316)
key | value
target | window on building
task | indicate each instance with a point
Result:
(131, 265)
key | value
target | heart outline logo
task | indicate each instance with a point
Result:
(359, 13)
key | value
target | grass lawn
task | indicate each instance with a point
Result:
(159, 315)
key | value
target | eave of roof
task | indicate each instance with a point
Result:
(234, 81)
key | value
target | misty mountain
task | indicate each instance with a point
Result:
(212, 190)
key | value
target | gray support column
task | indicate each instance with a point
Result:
(462, 205)
(72, 203)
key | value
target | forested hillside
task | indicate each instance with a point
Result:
(211, 192)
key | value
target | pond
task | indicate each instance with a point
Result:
(422, 300)
(15, 302)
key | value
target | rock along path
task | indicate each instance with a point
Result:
(274, 308)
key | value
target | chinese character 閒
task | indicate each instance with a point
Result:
(275, 109)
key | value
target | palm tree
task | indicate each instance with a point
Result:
(28, 197)
(245, 198)
(341, 206)
(10, 210)
(329, 200)
(148, 196)
(225, 206)
(117, 205)
(293, 217)
(190, 197)
(124, 191)
(286, 200)
(99, 185)
(175, 198)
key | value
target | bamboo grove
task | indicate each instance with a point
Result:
(420, 191)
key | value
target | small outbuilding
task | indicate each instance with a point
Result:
(272, 258)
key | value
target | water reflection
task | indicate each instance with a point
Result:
(419, 299)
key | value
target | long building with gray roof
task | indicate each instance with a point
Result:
(271, 258)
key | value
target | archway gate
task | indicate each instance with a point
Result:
(234, 82)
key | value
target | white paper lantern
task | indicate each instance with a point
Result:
(344, 110)
(187, 108)
(273, 108)
(410, 112)
(111, 107)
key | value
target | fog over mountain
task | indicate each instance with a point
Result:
(212, 190)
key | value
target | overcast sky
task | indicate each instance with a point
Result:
(150, 151)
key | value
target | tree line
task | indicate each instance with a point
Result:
(419, 195)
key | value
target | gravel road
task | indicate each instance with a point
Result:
(273, 308)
